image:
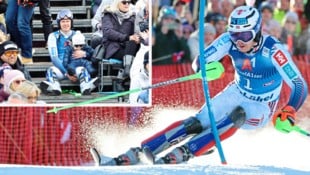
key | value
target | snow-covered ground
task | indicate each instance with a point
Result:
(263, 151)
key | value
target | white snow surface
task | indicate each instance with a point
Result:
(251, 152)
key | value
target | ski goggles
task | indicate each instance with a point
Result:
(64, 14)
(242, 36)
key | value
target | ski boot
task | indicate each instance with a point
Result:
(51, 89)
(51, 86)
(127, 61)
(118, 81)
(87, 85)
(131, 157)
(177, 155)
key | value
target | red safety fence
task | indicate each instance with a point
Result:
(28, 135)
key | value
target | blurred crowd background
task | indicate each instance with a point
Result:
(175, 24)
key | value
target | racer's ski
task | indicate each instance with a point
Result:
(145, 158)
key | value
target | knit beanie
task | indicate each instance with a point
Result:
(7, 45)
(3, 68)
(209, 28)
(78, 38)
(10, 76)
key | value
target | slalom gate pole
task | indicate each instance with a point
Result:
(205, 83)
(215, 71)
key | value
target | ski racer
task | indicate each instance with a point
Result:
(261, 65)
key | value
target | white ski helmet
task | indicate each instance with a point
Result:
(244, 24)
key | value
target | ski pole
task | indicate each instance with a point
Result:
(301, 131)
(215, 71)
(286, 127)
(205, 74)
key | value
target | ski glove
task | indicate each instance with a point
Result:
(284, 120)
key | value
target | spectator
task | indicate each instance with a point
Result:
(18, 18)
(220, 23)
(214, 8)
(139, 72)
(193, 41)
(96, 22)
(5, 67)
(183, 14)
(273, 3)
(12, 80)
(283, 6)
(119, 39)
(274, 28)
(267, 15)
(94, 6)
(187, 31)
(3, 6)
(297, 6)
(303, 42)
(8, 54)
(288, 34)
(140, 78)
(46, 18)
(57, 42)
(16, 99)
(165, 34)
(30, 91)
(227, 8)
(80, 67)
(3, 36)
(142, 22)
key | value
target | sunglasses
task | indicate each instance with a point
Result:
(32, 98)
(126, 2)
(18, 81)
(79, 45)
(290, 22)
(242, 36)
(11, 53)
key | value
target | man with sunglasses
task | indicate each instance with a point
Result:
(261, 65)
(8, 54)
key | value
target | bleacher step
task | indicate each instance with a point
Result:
(70, 98)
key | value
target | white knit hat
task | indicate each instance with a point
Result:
(78, 38)
(10, 76)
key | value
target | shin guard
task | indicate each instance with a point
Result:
(172, 135)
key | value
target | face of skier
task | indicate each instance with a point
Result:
(245, 47)
(244, 41)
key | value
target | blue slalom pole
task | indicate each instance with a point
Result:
(205, 83)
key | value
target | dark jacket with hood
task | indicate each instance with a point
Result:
(19, 66)
(114, 33)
